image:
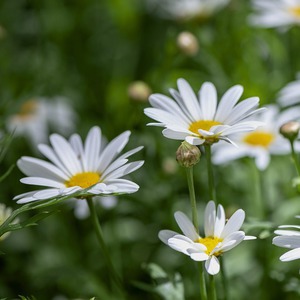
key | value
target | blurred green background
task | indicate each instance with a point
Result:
(91, 52)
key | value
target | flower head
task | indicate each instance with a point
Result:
(202, 120)
(290, 93)
(75, 167)
(263, 141)
(35, 116)
(219, 236)
(276, 13)
(288, 238)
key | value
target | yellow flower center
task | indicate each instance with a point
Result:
(84, 180)
(259, 138)
(210, 243)
(27, 109)
(202, 124)
(295, 10)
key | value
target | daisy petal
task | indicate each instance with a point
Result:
(186, 226)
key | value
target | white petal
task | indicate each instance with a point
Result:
(220, 221)
(180, 243)
(194, 140)
(186, 226)
(212, 265)
(198, 256)
(210, 218)
(290, 255)
(124, 170)
(42, 182)
(123, 185)
(165, 235)
(232, 240)
(208, 100)
(287, 241)
(234, 223)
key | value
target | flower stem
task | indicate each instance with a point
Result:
(295, 158)
(211, 184)
(190, 180)
(213, 293)
(203, 292)
(224, 279)
(114, 275)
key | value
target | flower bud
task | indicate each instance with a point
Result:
(139, 91)
(290, 130)
(187, 43)
(187, 155)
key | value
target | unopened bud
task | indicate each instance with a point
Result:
(139, 91)
(187, 43)
(290, 130)
(187, 155)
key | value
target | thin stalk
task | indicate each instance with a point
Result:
(114, 275)
(257, 184)
(190, 180)
(295, 158)
(211, 183)
(212, 285)
(203, 292)
(224, 279)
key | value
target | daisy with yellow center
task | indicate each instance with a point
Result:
(219, 236)
(92, 168)
(262, 142)
(202, 119)
(275, 13)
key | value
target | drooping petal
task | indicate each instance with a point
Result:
(186, 226)
(212, 265)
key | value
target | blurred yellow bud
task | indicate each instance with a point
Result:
(187, 43)
(139, 91)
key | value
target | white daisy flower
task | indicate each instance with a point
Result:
(290, 94)
(77, 167)
(276, 13)
(202, 119)
(186, 9)
(219, 236)
(36, 115)
(262, 142)
(5, 212)
(288, 239)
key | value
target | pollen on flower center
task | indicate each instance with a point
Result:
(84, 180)
(27, 109)
(295, 10)
(259, 138)
(202, 124)
(210, 243)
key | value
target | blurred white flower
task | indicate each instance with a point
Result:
(290, 94)
(35, 116)
(219, 236)
(82, 210)
(275, 13)
(79, 167)
(186, 9)
(202, 119)
(262, 142)
(5, 212)
(288, 238)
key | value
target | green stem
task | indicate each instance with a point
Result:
(258, 199)
(190, 180)
(212, 283)
(211, 184)
(114, 275)
(224, 279)
(203, 292)
(295, 158)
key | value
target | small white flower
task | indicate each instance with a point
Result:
(5, 212)
(290, 94)
(276, 13)
(288, 239)
(35, 116)
(202, 119)
(262, 142)
(186, 9)
(219, 236)
(77, 167)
